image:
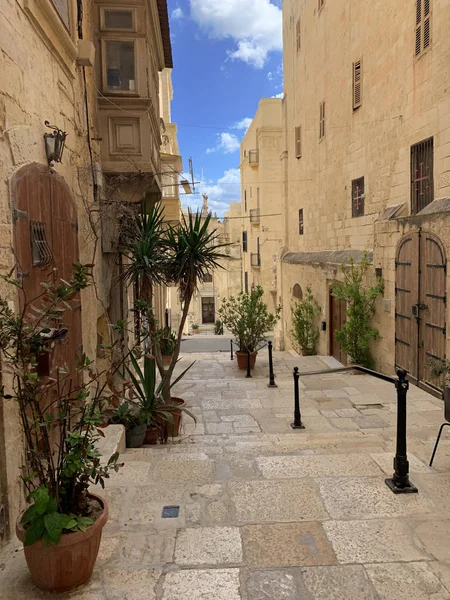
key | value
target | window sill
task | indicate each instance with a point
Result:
(49, 26)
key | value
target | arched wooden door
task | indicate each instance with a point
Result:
(46, 245)
(420, 313)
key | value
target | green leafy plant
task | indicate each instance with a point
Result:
(167, 341)
(356, 334)
(195, 326)
(248, 319)
(218, 327)
(126, 414)
(305, 330)
(160, 254)
(60, 414)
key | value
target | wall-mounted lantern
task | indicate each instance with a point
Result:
(54, 143)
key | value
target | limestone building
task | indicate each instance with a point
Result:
(91, 70)
(367, 167)
(262, 187)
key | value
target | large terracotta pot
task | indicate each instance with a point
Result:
(173, 429)
(242, 359)
(166, 360)
(61, 567)
(196, 331)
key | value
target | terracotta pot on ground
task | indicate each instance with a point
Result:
(173, 429)
(242, 358)
(166, 360)
(61, 567)
(196, 331)
(152, 436)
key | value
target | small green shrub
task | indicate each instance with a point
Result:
(357, 333)
(305, 330)
(218, 327)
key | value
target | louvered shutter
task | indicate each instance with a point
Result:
(298, 142)
(423, 26)
(322, 120)
(357, 84)
(297, 34)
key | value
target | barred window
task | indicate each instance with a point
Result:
(358, 197)
(422, 184)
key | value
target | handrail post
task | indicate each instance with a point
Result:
(400, 483)
(231, 346)
(297, 424)
(248, 365)
(271, 383)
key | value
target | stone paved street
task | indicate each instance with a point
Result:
(271, 513)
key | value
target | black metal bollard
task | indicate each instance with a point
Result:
(297, 424)
(248, 364)
(271, 383)
(231, 346)
(400, 483)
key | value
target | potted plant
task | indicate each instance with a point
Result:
(195, 329)
(160, 420)
(60, 414)
(218, 327)
(357, 332)
(159, 254)
(305, 330)
(249, 320)
(167, 342)
(128, 415)
(440, 369)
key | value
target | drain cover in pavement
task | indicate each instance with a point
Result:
(170, 512)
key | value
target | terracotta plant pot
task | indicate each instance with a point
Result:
(167, 360)
(61, 567)
(152, 436)
(173, 429)
(135, 436)
(242, 359)
(196, 331)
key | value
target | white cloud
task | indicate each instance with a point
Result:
(225, 190)
(255, 26)
(227, 142)
(177, 14)
(280, 95)
(243, 124)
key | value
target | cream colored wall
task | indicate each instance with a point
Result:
(404, 100)
(265, 134)
(40, 81)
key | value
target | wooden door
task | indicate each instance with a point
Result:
(46, 247)
(431, 309)
(338, 315)
(420, 319)
(208, 313)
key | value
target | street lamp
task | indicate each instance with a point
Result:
(54, 143)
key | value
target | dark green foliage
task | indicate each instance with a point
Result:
(305, 329)
(357, 333)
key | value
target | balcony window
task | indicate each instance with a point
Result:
(120, 66)
(122, 20)
(254, 215)
(62, 8)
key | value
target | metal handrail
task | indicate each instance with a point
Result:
(387, 378)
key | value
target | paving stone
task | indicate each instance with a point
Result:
(210, 416)
(286, 545)
(186, 471)
(343, 582)
(208, 491)
(344, 424)
(219, 428)
(217, 584)
(272, 501)
(287, 467)
(134, 473)
(386, 461)
(369, 498)
(155, 549)
(217, 513)
(316, 424)
(208, 546)
(442, 572)
(435, 535)
(359, 400)
(406, 581)
(275, 584)
(138, 584)
(373, 541)
(370, 422)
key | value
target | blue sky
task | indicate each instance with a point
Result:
(227, 56)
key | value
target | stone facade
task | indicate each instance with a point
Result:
(50, 73)
(262, 195)
(334, 137)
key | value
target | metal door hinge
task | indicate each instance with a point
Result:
(2, 520)
(19, 214)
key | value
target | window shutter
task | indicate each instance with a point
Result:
(423, 26)
(300, 222)
(427, 24)
(322, 120)
(298, 142)
(244, 241)
(357, 84)
(358, 197)
(297, 34)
